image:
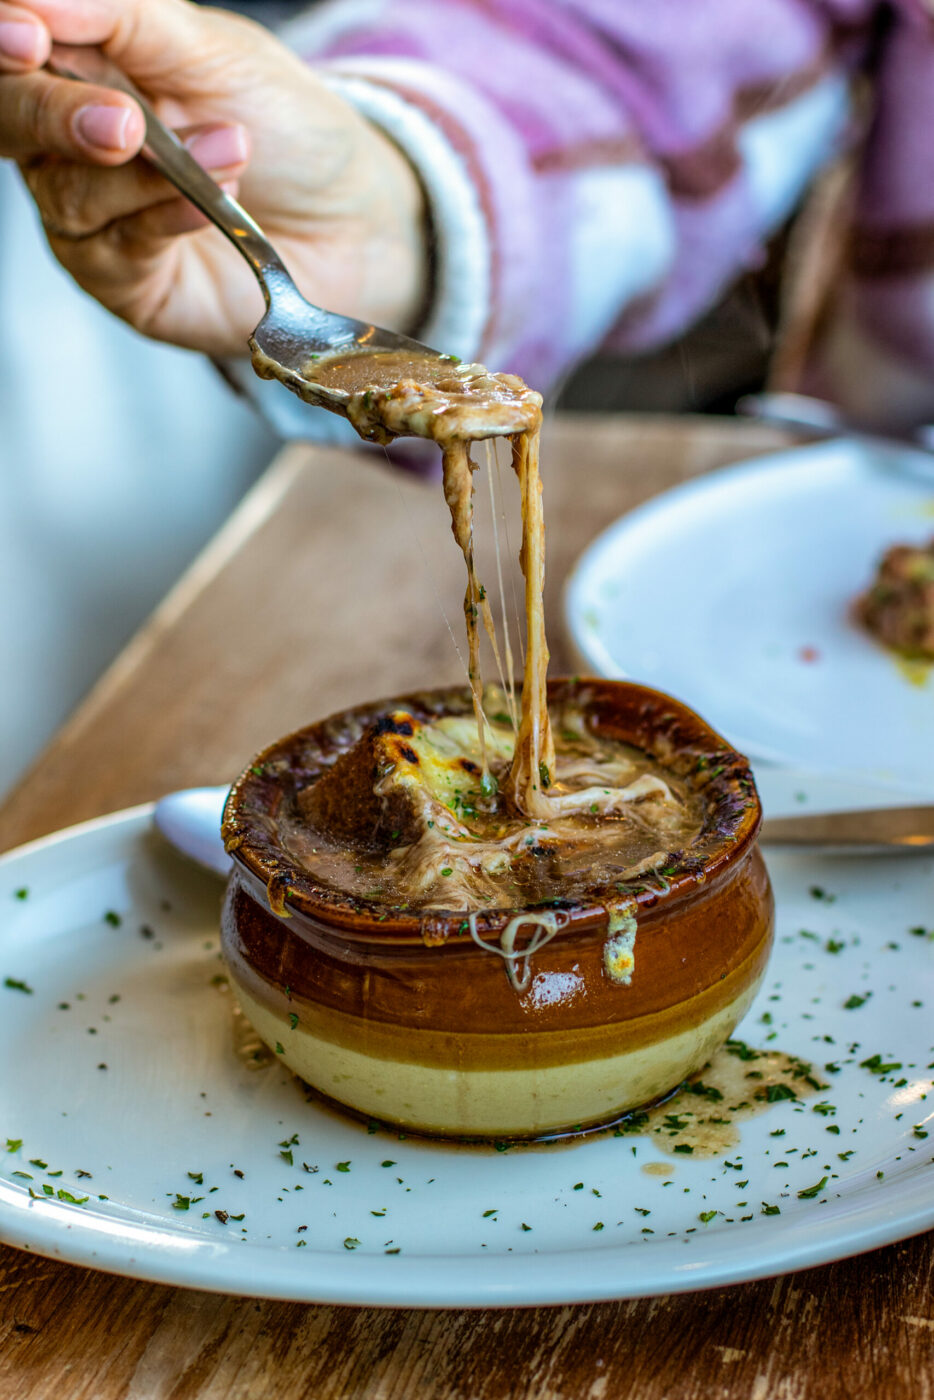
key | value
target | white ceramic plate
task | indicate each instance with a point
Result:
(733, 593)
(117, 942)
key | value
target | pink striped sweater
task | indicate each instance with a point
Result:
(598, 171)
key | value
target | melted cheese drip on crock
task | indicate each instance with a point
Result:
(619, 950)
(544, 924)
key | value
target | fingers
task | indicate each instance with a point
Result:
(143, 24)
(41, 115)
(77, 200)
(154, 41)
(24, 41)
(148, 230)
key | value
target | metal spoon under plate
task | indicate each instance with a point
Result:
(293, 331)
(191, 821)
(821, 419)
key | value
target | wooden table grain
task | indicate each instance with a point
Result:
(319, 592)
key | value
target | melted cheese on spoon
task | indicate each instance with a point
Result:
(398, 394)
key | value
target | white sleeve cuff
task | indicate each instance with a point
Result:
(460, 308)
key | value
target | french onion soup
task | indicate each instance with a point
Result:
(493, 911)
(413, 815)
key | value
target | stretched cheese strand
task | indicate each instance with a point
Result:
(458, 492)
(509, 667)
(533, 766)
(458, 470)
(544, 926)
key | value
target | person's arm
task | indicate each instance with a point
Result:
(334, 194)
(600, 168)
(584, 167)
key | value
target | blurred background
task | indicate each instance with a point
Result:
(104, 496)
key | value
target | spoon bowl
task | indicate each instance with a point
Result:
(294, 332)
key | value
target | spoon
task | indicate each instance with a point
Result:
(191, 821)
(293, 330)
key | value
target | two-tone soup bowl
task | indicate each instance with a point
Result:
(402, 1015)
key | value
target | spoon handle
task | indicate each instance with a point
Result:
(166, 154)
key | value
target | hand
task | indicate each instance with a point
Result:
(335, 196)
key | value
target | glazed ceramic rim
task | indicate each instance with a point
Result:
(731, 824)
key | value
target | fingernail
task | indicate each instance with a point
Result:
(218, 148)
(19, 41)
(104, 127)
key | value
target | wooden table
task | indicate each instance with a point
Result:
(314, 595)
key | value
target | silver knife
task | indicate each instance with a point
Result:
(872, 831)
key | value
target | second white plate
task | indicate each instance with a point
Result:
(734, 593)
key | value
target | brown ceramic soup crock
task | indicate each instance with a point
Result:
(403, 1017)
